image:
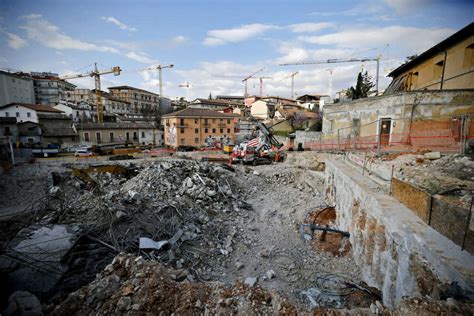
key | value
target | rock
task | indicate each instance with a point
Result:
(373, 308)
(211, 193)
(239, 265)
(270, 274)
(432, 155)
(189, 182)
(198, 304)
(54, 191)
(23, 303)
(120, 214)
(307, 237)
(379, 305)
(135, 196)
(256, 173)
(452, 303)
(250, 281)
(135, 307)
(124, 303)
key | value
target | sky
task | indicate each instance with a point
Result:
(213, 45)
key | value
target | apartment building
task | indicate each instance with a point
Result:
(49, 89)
(111, 104)
(141, 101)
(16, 88)
(198, 127)
(144, 133)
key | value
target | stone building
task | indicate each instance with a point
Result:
(144, 133)
(141, 101)
(198, 127)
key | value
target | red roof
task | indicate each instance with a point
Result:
(36, 107)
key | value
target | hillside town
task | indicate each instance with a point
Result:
(116, 199)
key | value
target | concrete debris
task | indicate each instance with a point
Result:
(133, 286)
(147, 243)
(432, 155)
(270, 274)
(250, 281)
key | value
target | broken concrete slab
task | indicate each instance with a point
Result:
(432, 155)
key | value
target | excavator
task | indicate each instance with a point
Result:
(261, 150)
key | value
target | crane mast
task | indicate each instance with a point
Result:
(96, 73)
(346, 60)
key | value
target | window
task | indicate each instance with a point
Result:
(206, 130)
(213, 130)
(228, 131)
(469, 56)
(182, 130)
(86, 137)
(196, 130)
(438, 69)
(221, 130)
(221, 120)
(228, 121)
(7, 131)
(28, 114)
(7, 114)
(97, 136)
(128, 136)
(143, 134)
(17, 114)
(182, 141)
(206, 122)
(195, 121)
(167, 122)
(181, 122)
(135, 136)
(111, 136)
(196, 140)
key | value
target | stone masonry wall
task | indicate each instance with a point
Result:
(396, 251)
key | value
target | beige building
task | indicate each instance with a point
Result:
(198, 127)
(16, 88)
(447, 65)
(110, 133)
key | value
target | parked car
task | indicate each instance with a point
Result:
(83, 153)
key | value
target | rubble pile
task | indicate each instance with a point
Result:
(179, 212)
(134, 286)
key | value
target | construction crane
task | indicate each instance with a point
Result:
(249, 77)
(187, 86)
(292, 82)
(261, 84)
(160, 71)
(348, 60)
(96, 74)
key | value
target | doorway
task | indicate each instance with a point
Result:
(385, 129)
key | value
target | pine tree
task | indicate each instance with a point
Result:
(210, 96)
(363, 86)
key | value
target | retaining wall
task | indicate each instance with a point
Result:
(396, 251)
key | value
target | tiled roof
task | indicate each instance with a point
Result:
(36, 107)
(196, 112)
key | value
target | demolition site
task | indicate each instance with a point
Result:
(319, 233)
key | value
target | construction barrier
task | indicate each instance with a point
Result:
(442, 133)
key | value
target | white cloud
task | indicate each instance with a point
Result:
(309, 27)
(235, 35)
(140, 57)
(14, 41)
(49, 35)
(180, 39)
(294, 53)
(121, 25)
(412, 39)
(402, 6)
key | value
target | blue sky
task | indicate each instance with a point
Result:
(214, 43)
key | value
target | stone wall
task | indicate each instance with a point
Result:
(396, 251)
(306, 136)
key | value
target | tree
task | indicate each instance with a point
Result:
(210, 96)
(363, 86)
